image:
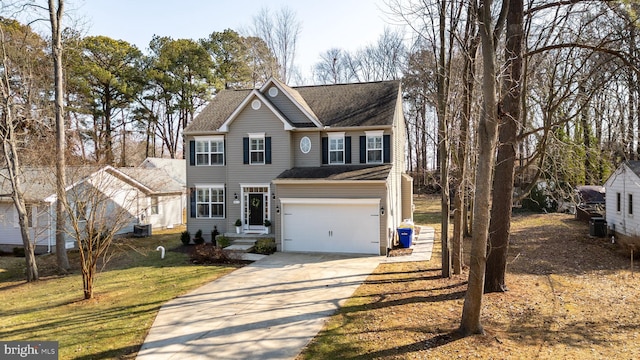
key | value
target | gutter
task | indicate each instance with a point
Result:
(325, 181)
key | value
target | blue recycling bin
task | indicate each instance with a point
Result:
(406, 235)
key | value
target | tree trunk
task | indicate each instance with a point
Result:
(55, 17)
(443, 144)
(487, 134)
(460, 203)
(500, 226)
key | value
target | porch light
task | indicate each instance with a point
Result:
(381, 210)
(277, 209)
(235, 198)
(273, 196)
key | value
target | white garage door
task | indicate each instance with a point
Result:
(331, 225)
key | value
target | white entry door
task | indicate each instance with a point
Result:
(344, 226)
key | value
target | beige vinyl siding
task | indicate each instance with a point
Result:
(314, 157)
(254, 121)
(287, 107)
(352, 190)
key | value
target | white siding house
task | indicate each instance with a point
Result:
(623, 195)
(139, 196)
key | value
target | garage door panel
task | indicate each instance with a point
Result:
(346, 228)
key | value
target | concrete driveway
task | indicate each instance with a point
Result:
(267, 310)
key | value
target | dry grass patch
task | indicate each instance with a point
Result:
(570, 297)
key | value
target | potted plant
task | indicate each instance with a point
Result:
(267, 226)
(238, 226)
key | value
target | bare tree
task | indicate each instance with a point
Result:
(56, 12)
(487, 138)
(98, 207)
(21, 64)
(280, 32)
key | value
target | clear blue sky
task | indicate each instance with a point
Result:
(346, 24)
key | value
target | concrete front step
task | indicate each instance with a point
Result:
(244, 242)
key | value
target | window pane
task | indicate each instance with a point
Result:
(374, 156)
(202, 146)
(257, 157)
(203, 210)
(202, 159)
(203, 195)
(257, 144)
(217, 159)
(217, 210)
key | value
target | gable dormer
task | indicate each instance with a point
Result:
(256, 100)
(290, 103)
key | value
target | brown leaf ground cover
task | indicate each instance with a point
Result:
(570, 296)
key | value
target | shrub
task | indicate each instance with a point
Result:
(265, 246)
(204, 254)
(238, 222)
(18, 251)
(223, 241)
(267, 222)
(207, 254)
(198, 239)
(185, 237)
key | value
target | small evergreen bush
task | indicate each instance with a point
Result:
(18, 252)
(185, 237)
(265, 246)
(223, 241)
(198, 239)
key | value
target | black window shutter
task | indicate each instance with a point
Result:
(347, 149)
(192, 198)
(267, 150)
(363, 149)
(245, 147)
(325, 150)
(192, 153)
(386, 148)
(224, 152)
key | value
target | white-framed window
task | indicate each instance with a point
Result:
(155, 210)
(210, 151)
(210, 202)
(374, 147)
(256, 149)
(336, 148)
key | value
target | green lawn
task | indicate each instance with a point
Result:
(128, 294)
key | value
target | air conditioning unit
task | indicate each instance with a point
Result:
(142, 230)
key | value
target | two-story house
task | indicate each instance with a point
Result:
(324, 164)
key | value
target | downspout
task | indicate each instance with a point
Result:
(49, 223)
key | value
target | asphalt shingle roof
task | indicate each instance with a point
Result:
(341, 105)
(338, 172)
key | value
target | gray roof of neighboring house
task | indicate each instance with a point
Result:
(176, 168)
(634, 165)
(40, 182)
(338, 172)
(157, 180)
(341, 105)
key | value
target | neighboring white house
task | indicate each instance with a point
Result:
(141, 196)
(177, 170)
(623, 195)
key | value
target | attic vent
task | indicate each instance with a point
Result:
(273, 91)
(256, 104)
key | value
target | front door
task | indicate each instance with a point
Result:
(256, 210)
